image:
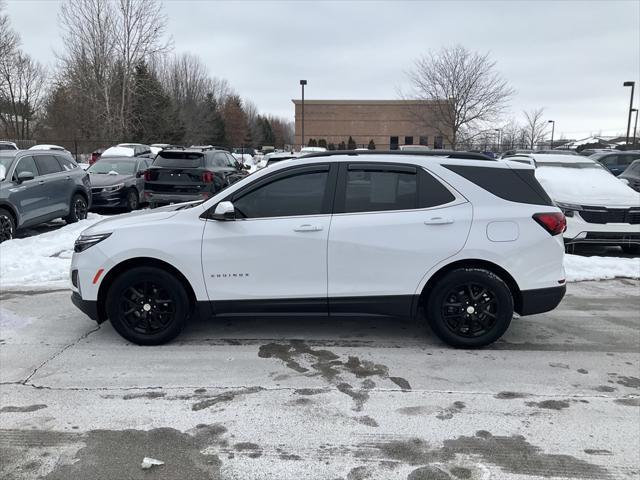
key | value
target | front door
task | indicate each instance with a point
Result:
(273, 258)
(392, 223)
(30, 196)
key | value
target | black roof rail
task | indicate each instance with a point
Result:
(425, 153)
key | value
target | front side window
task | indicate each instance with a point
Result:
(372, 191)
(47, 164)
(301, 194)
(26, 164)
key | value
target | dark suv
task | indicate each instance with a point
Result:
(186, 175)
(617, 161)
(38, 186)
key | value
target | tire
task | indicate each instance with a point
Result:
(453, 305)
(631, 249)
(78, 209)
(141, 290)
(133, 200)
(7, 225)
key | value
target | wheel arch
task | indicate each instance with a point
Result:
(473, 263)
(13, 212)
(128, 264)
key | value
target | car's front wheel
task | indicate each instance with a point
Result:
(133, 201)
(78, 209)
(470, 308)
(7, 225)
(147, 305)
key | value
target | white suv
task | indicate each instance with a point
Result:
(464, 242)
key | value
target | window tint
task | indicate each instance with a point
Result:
(66, 163)
(219, 160)
(514, 185)
(432, 192)
(301, 194)
(47, 164)
(609, 160)
(373, 191)
(26, 164)
(179, 160)
(231, 160)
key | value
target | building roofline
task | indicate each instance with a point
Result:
(360, 102)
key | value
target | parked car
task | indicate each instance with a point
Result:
(95, 155)
(273, 158)
(632, 175)
(617, 161)
(37, 186)
(57, 148)
(128, 150)
(118, 182)
(590, 151)
(466, 241)
(413, 148)
(599, 207)
(511, 153)
(183, 175)
(556, 152)
(8, 146)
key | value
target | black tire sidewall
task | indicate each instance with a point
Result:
(168, 281)
(480, 276)
(131, 193)
(72, 217)
(6, 213)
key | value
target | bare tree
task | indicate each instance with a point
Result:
(464, 91)
(21, 96)
(535, 128)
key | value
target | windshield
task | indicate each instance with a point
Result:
(113, 166)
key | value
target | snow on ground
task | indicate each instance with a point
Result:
(42, 262)
(579, 268)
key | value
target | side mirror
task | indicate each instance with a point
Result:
(25, 176)
(224, 211)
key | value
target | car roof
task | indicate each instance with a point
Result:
(400, 153)
(542, 158)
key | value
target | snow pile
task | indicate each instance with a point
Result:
(42, 261)
(580, 268)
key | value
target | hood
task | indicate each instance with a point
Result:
(137, 218)
(106, 180)
(586, 186)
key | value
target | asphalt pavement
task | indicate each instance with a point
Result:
(557, 397)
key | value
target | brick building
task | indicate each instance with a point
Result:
(388, 123)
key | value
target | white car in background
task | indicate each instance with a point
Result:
(413, 148)
(8, 146)
(57, 148)
(272, 158)
(599, 207)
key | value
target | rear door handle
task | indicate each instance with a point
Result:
(438, 221)
(308, 228)
(40, 182)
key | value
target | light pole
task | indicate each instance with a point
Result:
(632, 85)
(302, 83)
(635, 126)
(553, 128)
(499, 130)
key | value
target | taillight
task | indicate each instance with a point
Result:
(207, 176)
(147, 176)
(555, 223)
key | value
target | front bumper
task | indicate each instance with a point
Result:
(540, 300)
(106, 200)
(88, 307)
(580, 231)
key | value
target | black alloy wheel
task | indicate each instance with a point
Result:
(132, 200)
(7, 228)
(79, 209)
(147, 305)
(469, 307)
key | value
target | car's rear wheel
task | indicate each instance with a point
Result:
(470, 308)
(631, 249)
(7, 225)
(78, 209)
(133, 201)
(147, 306)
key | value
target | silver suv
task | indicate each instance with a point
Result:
(38, 186)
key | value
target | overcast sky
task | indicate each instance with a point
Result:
(569, 57)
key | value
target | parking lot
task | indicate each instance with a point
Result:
(295, 398)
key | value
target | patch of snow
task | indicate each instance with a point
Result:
(579, 268)
(41, 262)
(8, 319)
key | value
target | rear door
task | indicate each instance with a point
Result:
(392, 223)
(57, 184)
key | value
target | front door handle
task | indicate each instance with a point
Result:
(308, 228)
(438, 221)
(40, 182)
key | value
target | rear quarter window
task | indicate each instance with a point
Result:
(519, 186)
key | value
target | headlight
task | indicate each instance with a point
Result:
(568, 208)
(114, 188)
(85, 241)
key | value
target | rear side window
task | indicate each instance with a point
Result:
(179, 160)
(26, 164)
(47, 164)
(66, 163)
(514, 185)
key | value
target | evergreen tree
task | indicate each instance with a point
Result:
(351, 143)
(312, 142)
(322, 143)
(331, 146)
(372, 145)
(342, 145)
(214, 131)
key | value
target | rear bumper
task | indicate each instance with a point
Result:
(169, 198)
(88, 307)
(540, 300)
